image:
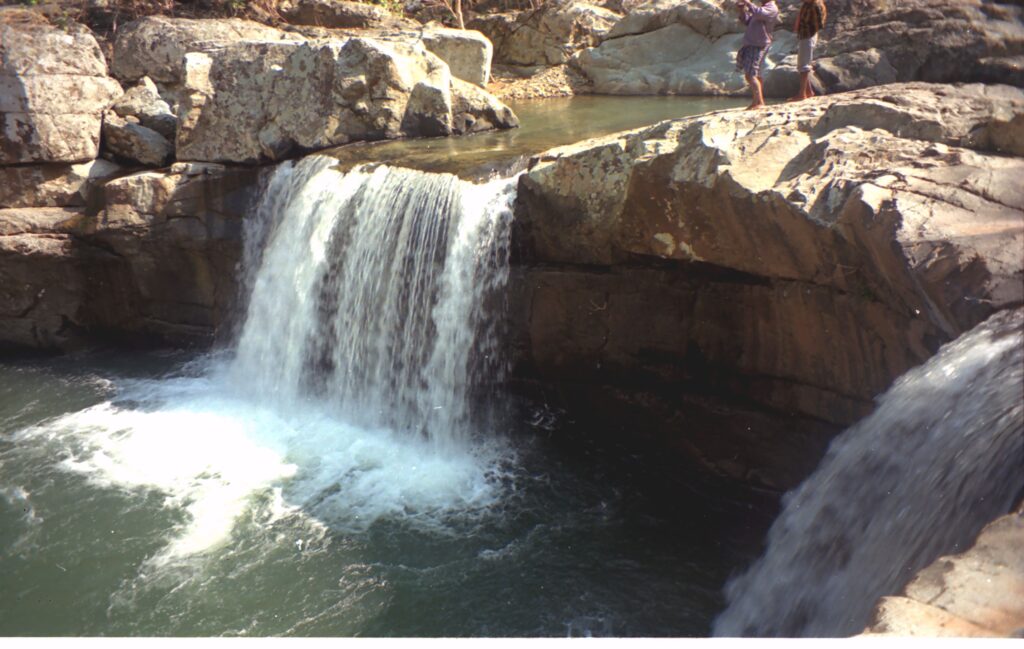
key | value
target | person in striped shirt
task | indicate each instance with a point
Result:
(809, 21)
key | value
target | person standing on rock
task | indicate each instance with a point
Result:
(809, 21)
(760, 22)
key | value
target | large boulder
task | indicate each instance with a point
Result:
(679, 47)
(53, 91)
(467, 52)
(797, 259)
(155, 46)
(548, 35)
(156, 262)
(255, 101)
(52, 288)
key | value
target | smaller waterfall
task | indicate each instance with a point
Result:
(371, 291)
(941, 456)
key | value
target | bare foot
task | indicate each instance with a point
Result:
(755, 106)
(796, 98)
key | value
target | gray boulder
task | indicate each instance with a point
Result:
(545, 36)
(143, 102)
(126, 139)
(155, 46)
(253, 101)
(53, 91)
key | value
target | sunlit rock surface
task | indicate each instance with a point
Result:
(257, 101)
(546, 35)
(53, 91)
(689, 47)
(979, 593)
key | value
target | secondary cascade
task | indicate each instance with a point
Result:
(938, 459)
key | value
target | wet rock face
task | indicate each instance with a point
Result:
(53, 91)
(257, 101)
(974, 594)
(838, 243)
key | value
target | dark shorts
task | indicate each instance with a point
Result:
(750, 58)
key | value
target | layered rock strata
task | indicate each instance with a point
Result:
(785, 266)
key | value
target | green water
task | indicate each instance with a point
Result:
(147, 495)
(544, 124)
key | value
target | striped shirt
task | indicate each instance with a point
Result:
(811, 18)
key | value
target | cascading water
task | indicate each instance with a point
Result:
(371, 292)
(349, 394)
(941, 456)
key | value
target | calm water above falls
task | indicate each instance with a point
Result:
(339, 473)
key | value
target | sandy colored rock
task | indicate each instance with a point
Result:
(53, 185)
(253, 101)
(467, 52)
(155, 46)
(689, 46)
(548, 35)
(979, 593)
(127, 140)
(53, 91)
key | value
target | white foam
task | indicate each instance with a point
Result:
(212, 454)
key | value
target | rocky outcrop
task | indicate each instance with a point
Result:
(688, 47)
(547, 35)
(928, 40)
(54, 185)
(796, 263)
(338, 14)
(979, 593)
(155, 46)
(676, 47)
(467, 52)
(53, 91)
(157, 263)
(255, 101)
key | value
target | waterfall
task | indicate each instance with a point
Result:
(370, 294)
(941, 456)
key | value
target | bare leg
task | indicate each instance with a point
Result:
(806, 91)
(756, 89)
